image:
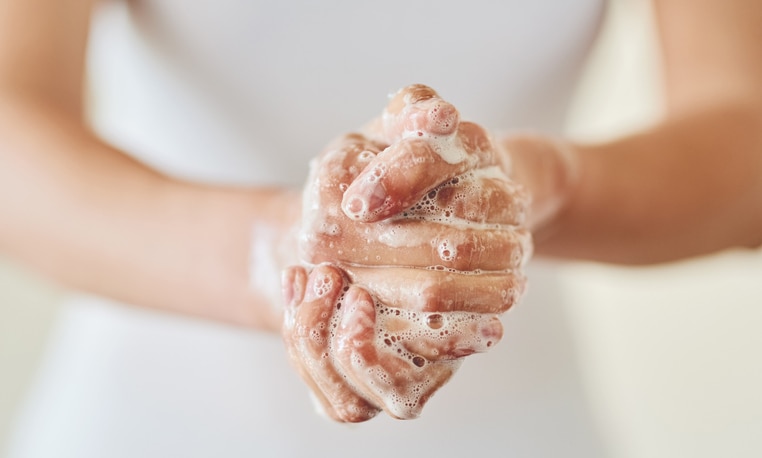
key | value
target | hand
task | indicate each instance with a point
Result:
(453, 253)
(438, 186)
(359, 356)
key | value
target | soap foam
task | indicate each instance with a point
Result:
(413, 340)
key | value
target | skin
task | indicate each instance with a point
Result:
(692, 184)
(363, 364)
(335, 233)
(331, 327)
(661, 195)
(95, 219)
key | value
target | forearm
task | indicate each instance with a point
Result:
(90, 217)
(689, 186)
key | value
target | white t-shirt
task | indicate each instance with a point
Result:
(247, 92)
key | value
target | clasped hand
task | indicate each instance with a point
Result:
(415, 239)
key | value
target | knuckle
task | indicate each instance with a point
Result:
(419, 92)
(435, 297)
(475, 137)
(510, 291)
(469, 253)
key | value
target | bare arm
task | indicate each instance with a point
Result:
(692, 184)
(89, 216)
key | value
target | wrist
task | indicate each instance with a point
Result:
(548, 168)
(273, 246)
(240, 240)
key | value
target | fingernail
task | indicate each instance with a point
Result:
(368, 199)
(359, 315)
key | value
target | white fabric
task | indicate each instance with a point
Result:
(237, 91)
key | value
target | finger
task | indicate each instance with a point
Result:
(483, 196)
(437, 336)
(308, 342)
(342, 160)
(388, 375)
(413, 243)
(418, 110)
(453, 335)
(426, 290)
(415, 110)
(403, 173)
(330, 175)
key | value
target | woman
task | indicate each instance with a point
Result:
(98, 220)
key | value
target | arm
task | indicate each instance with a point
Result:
(89, 216)
(690, 185)
(693, 183)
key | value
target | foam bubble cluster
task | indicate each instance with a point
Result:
(446, 251)
(460, 202)
(419, 339)
(323, 286)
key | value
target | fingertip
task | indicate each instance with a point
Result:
(492, 332)
(442, 118)
(409, 95)
(396, 179)
(358, 296)
(293, 279)
(360, 415)
(488, 334)
(419, 109)
(365, 199)
(359, 313)
(325, 282)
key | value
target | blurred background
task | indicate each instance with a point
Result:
(671, 355)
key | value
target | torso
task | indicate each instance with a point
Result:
(250, 91)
